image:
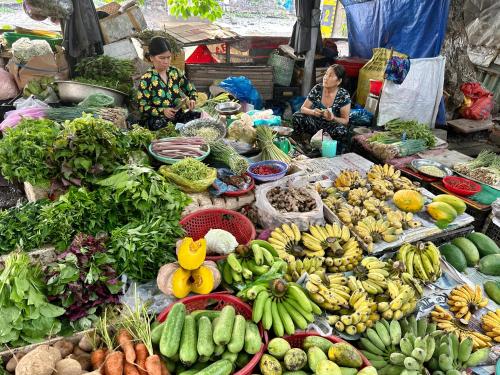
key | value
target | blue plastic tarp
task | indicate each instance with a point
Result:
(414, 27)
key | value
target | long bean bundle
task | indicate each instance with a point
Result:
(228, 155)
(265, 139)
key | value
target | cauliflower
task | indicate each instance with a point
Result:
(220, 241)
(242, 130)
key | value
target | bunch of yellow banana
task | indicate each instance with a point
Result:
(308, 265)
(345, 259)
(349, 179)
(350, 215)
(422, 260)
(372, 231)
(371, 275)
(286, 242)
(382, 189)
(464, 301)
(383, 172)
(446, 322)
(403, 183)
(397, 272)
(356, 197)
(376, 207)
(329, 295)
(360, 315)
(401, 303)
(491, 324)
(333, 239)
(402, 220)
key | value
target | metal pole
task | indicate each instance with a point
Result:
(310, 55)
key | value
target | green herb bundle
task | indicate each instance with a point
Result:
(412, 129)
(27, 317)
(99, 67)
(228, 155)
(191, 169)
(25, 152)
(265, 139)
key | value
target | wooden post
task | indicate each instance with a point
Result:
(310, 55)
(228, 53)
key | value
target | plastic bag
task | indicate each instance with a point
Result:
(360, 117)
(12, 118)
(30, 102)
(148, 295)
(243, 89)
(478, 102)
(271, 218)
(8, 86)
(189, 186)
(60, 9)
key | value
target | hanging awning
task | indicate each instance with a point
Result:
(300, 40)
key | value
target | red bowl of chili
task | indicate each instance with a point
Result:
(461, 186)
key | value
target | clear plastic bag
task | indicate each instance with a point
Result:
(60, 9)
(30, 102)
(148, 295)
(272, 218)
(189, 186)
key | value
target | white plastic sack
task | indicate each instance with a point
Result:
(418, 97)
(8, 86)
(30, 102)
(271, 218)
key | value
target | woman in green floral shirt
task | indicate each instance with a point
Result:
(162, 88)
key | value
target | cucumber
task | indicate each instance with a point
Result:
(171, 335)
(484, 244)
(156, 333)
(189, 372)
(210, 314)
(320, 342)
(205, 344)
(238, 335)
(490, 265)
(230, 356)
(243, 359)
(468, 249)
(221, 367)
(226, 321)
(218, 350)
(187, 352)
(492, 289)
(454, 256)
(253, 341)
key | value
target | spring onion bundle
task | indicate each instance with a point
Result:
(265, 139)
(228, 155)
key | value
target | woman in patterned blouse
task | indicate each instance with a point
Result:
(162, 88)
(327, 107)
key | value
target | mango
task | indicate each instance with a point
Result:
(314, 356)
(270, 365)
(326, 367)
(344, 354)
(369, 370)
(348, 371)
(278, 347)
(457, 203)
(442, 212)
(295, 359)
(320, 342)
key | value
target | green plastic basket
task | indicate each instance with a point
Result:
(166, 160)
(11, 37)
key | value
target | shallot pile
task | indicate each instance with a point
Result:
(291, 199)
(179, 147)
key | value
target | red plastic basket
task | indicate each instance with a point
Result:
(297, 340)
(461, 186)
(241, 192)
(216, 301)
(200, 222)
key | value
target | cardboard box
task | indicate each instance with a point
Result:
(122, 25)
(129, 48)
(50, 65)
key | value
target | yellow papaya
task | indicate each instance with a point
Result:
(457, 203)
(442, 212)
(409, 200)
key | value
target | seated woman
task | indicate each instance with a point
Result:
(162, 88)
(327, 107)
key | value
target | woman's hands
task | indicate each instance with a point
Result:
(316, 112)
(192, 105)
(169, 113)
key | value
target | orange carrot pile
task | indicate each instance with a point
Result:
(125, 341)
(114, 364)
(141, 353)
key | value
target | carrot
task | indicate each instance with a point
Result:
(114, 364)
(130, 369)
(141, 353)
(153, 365)
(125, 342)
(164, 370)
(98, 357)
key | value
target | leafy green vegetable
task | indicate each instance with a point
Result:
(142, 246)
(191, 169)
(139, 137)
(27, 316)
(412, 129)
(25, 152)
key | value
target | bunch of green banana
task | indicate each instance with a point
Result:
(286, 242)
(415, 351)
(422, 260)
(451, 356)
(249, 262)
(359, 315)
(330, 292)
(309, 265)
(402, 301)
(371, 275)
(282, 306)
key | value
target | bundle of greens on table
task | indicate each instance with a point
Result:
(485, 168)
(411, 129)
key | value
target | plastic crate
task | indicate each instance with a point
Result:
(217, 301)
(11, 37)
(492, 230)
(297, 340)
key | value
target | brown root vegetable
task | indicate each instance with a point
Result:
(130, 369)
(83, 360)
(98, 357)
(68, 366)
(113, 365)
(11, 365)
(40, 361)
(78, 351)
(141, 353)
(125, 341)
(65, 347)
(85, 344)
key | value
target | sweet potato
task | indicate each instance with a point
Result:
(68, 366)
(12, 364)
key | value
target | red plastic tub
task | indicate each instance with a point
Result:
(461, 186)
(376, 87)
(217, 301)
(352, 65)
(297, 339)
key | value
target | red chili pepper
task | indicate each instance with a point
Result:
(265, 170)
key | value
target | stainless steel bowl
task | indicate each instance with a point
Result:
(75, 92)
(419, 163)
(190, 128)
(228, 108)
